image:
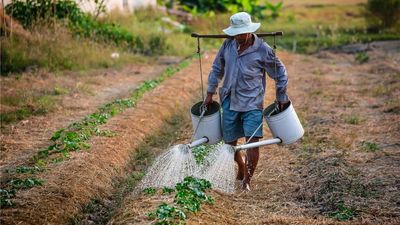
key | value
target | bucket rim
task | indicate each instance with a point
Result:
(214, 106)
(272, 106)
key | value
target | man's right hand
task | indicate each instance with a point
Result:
(208, 99)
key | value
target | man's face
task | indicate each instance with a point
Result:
(242, 38)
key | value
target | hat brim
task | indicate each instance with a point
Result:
(231, 31)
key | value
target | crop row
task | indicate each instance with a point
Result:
(74, 137)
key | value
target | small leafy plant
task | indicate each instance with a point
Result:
(189, 195)
(5, 197)
(344, 213)
(25, 183)
(202, 151)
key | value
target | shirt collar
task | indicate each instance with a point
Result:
(257, 43)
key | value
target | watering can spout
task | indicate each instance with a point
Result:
(258, 144)
(198, 142)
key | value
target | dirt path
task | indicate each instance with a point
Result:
(21, 140)
(345, 167)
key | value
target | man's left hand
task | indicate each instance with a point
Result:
(283, 105)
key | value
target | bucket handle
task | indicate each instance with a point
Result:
(203, 109)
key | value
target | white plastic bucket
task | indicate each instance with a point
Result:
(284, 125)
(210, 124)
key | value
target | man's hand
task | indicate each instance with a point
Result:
(283, 105)
(208, 99)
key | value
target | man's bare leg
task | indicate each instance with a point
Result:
(253, 155)
(240, 161)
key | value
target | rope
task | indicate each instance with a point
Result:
(274, 51)
(201, 69)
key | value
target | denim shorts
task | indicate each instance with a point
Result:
(236, 125)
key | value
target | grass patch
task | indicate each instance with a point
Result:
(26, 105)
(369, 146)
(55, 48)
(344, 212)
(160, 35)
(352, 119)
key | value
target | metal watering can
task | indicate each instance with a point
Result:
(284, 125)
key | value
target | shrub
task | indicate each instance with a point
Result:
(383, 13)
(233, 6)
(30, 12)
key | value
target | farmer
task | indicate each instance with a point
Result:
(242, 62)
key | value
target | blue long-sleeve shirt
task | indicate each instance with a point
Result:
(244, 75)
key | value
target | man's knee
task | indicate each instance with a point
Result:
(233, 143)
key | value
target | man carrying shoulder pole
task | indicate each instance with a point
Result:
(241, 63)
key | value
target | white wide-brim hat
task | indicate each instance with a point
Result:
(241, 24)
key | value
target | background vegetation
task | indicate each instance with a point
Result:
(58, 29)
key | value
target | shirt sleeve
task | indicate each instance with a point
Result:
(279, 75)
(217, 70)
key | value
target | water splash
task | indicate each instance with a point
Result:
(219, 169)
(170, 168)
(178, 162)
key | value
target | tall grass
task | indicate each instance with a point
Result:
(55, 48)
(150, 23)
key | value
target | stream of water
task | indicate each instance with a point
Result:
(178, 162)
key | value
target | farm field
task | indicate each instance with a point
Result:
(348, 115)
(76, 143)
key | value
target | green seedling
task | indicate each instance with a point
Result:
(202, 151)
(5, 197)
(344, 213)
(189, 195)
(27, 169)
(25, 183)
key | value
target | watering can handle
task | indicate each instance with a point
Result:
(203, 109)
